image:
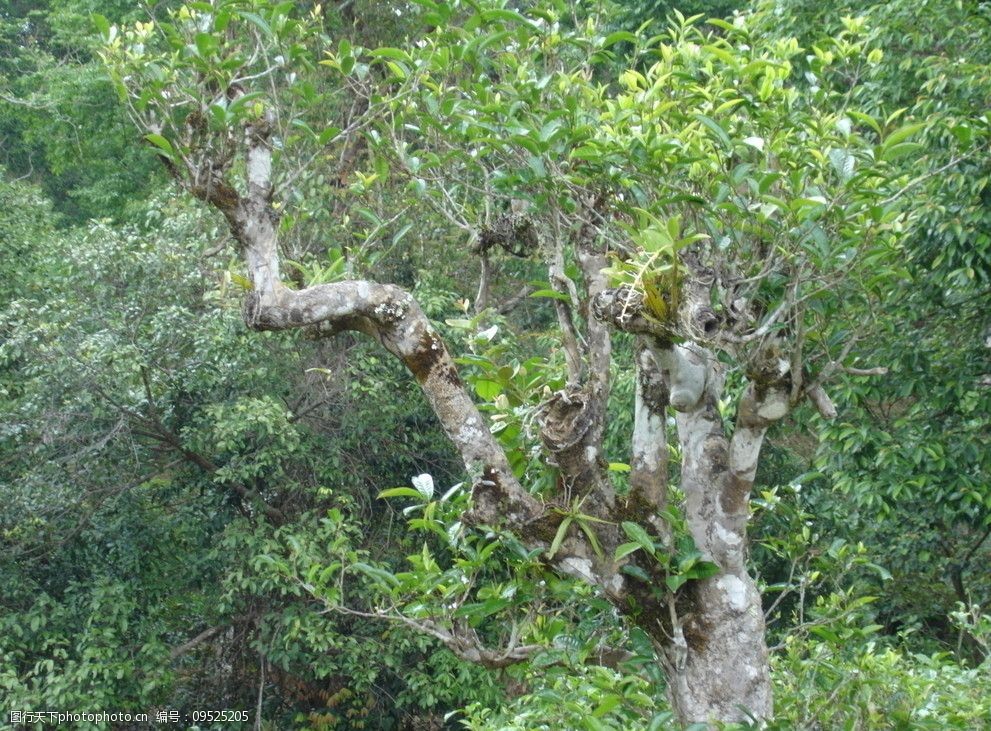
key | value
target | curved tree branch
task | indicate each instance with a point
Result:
(385, 312)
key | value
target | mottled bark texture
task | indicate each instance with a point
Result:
(384, 312)
(649, 459)
(722, 672)
(711, 634)
(712, 638)
(572, 421)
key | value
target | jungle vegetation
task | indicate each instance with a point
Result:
(497, 365)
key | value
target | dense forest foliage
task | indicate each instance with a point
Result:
(209, 503)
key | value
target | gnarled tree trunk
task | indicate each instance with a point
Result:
(710, 632)
(721, 672)
(712, 639)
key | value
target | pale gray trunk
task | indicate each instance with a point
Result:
(724, 675)
(711, 636)
(711, 633)
(649, 452)
(721, 671)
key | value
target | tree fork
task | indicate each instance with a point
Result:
(712, 640)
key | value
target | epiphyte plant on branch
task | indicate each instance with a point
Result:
(701, 200)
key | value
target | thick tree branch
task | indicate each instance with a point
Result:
(560, 281)
(460, 639)
(384, 312)
(649, 460)
(513, 302)
(876, 371)
(623, 308)
(484, 282)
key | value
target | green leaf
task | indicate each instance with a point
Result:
(424, 484)
(702, 570)
(890, 153)
(592, 538)
(242, 282)
(551, 294)
(586, 152)
(161, 143)
(400, 492)
(486, 389)
(238, 104)
(219, 116)
(591, 723)
(370, 216)
(206, 44)
(620, 36)
(505, 16)
(843, 163)
(902, 133)
(401, 233)
(483, 609)
(726, 106)
(549, 129)
(536, 164)
(767, 181)
(619, 467)
(716, 129)
(826, 634)
(637, 534)
(607, 704)
(303, 125)
(722, 24)
(102, 25)
(378, 574)
(398, 70)
(865, 119)
(636, 572)
(625, 549)
(562, 531)
(328, 134)
(256, 20)
(392, 53)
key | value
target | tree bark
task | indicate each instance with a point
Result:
(649, 452)
(384, 312)
(711, 632)
(722, 670)
(712, 640)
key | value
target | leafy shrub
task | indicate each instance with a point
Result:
(822, 685)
